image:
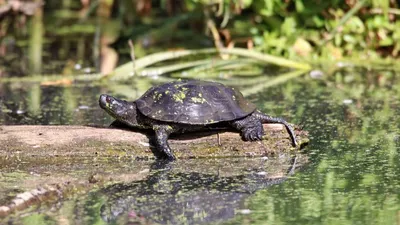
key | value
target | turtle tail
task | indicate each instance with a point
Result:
(268, 119)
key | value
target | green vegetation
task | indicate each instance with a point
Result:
(92, 36)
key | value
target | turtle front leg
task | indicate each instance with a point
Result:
(250, 127)
(118, 124)
(162, 133)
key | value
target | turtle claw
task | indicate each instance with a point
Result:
(253, 134)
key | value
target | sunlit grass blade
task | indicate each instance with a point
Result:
(218, 74)
(265, 58)
(50, 77)
(213, 66)
(245, 81)
(129, 69)
(156, 71)
(239, 66)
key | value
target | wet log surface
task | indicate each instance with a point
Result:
(89, 141)
(54, 163)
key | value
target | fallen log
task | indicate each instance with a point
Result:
(45, 178)
(48, 141)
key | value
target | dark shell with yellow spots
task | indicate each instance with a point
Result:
(194, 102)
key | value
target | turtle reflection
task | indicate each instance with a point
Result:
(183, 198)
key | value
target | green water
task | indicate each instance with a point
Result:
(352, 176)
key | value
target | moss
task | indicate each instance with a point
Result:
(179, 97)
(157, 95)
(202, 150)
(212, 150)
(198, 100)
(115, 152)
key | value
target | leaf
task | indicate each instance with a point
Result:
(299, 6)
(127, 70)
(302, 47)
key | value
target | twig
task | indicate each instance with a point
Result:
(132, 52)
(344, 19)
(214, 31)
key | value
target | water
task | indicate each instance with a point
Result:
(352, 176)
(34, 104)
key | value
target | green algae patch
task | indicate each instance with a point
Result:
(157, 95)
(9, 183)
(52, 179)
(115, 152)
(198, 100)
(179, 96)
(230, 144)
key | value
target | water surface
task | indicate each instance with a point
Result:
(352, 176)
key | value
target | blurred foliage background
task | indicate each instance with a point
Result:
(89, 35)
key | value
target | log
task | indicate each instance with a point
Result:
(89, 158)
(32, 140)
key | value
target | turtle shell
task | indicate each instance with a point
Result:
(194, 102)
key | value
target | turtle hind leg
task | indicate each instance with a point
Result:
(268, 119)
(250, 127)
(163, 151)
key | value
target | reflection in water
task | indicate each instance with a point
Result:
(34, 104)
(170, 197)
(193, 197)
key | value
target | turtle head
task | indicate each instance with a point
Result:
(121, 110)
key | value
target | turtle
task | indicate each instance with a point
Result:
(191, 105)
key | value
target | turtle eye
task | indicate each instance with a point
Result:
(108, 99)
